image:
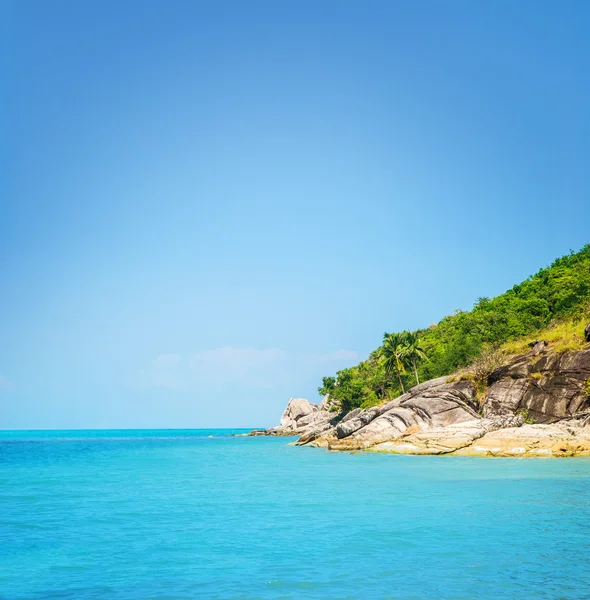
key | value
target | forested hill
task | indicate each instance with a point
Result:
(555, 294)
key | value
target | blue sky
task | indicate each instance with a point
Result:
(206, 206)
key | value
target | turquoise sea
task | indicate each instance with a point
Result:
(182, 514)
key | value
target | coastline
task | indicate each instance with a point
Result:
(535, 404)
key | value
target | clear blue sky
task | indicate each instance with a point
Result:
(206, 206)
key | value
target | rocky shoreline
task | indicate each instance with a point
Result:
(536, 404)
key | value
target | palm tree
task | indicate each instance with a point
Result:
(393, 354)
(413, 351)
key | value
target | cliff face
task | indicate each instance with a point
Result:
(549, 387)
(537, 404)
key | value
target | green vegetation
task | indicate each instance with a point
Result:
(564, 336)
(538, 376)
(554, 305)
(587, 388)
(413, 352)
(524, 413)
(489, 359)
(393, 355)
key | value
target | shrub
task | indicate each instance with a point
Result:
(488, 361)
(564, 336)
(526, 417)
(370, 399)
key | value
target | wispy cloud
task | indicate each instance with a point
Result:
(238, 359)
(336, 356)
(248, 367)
(163, 360)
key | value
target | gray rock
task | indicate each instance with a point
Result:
(538, 346)
(517, 368)
(325, 429)
(554, 398)
(351, 415)
(549, 389)
(314, 418)
(571, 364)
(502, 422)
(494, 438)
(426, 386)
(255, 432)
(442, 398)
(504, 397)
(433, 404)
(328, 403)
(296, 408)
(302, 418)
(360, 420)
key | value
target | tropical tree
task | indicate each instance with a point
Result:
(393, 355)
(327, 387)
(413, 352)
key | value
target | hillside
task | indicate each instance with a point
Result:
(532, 404)
(552, 304)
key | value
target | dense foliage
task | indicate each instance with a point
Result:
(558, 292)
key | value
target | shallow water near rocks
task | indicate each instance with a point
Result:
(145, 515)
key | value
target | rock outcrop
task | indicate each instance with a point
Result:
(434, 403)
(299, 417)
(329, 404)
(536, 404)
(297, 409)
(548, 388)
(478, 438)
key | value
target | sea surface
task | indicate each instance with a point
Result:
(182, 514)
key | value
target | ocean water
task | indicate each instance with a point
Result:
(145, 515)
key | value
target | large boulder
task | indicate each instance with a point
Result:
(329, 403)
(446, 440)
(504, 397)
(296, 409)
(302, 418)
(538, 346)
(545, 389)
(356, 421)
(436, 403)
